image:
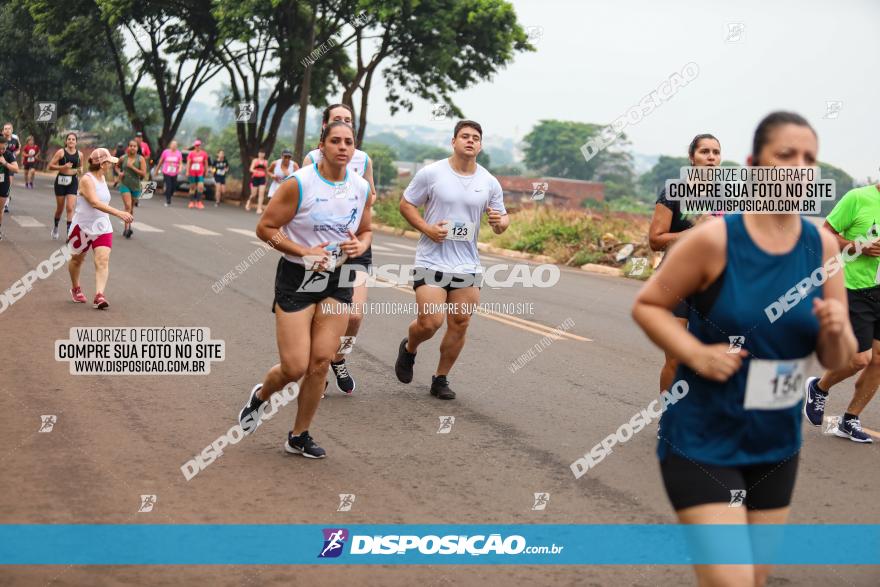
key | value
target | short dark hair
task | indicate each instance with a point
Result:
(692, 148)
(331, 107)
(3, 140)
(770, 122)
(333, 125)
(467, 123)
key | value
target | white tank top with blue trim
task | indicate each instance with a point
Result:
(327, 210)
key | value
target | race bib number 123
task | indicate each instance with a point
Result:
(460, 231)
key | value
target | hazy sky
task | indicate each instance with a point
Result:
(596, 59)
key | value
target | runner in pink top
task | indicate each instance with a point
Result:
(170, 163)
(196, 164)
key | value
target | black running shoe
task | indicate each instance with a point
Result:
(440, 387)
(304, 445)
(250, 414)
(344, 381)
(404, 365)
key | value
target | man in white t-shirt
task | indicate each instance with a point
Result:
(455, 193)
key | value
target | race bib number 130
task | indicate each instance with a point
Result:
(460, 231)
(776, 385)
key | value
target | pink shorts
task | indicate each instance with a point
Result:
(102, 240)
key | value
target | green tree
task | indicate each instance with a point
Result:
(112, 124)
(264, 44)
(227, 139)
(484, 160)
(204, 133)
(32, 71)
(843, 182)
(512, 169)
(171, 42)
(383, 157)
(426, 48)
(554, 149)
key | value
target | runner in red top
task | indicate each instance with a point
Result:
(30, 155)
(143, 147)
(196, 164)
(259, 169)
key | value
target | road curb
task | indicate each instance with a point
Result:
(487, 248)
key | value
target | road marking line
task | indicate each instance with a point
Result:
(144, 227)
(404, 247)
(27, 221)
(242, 231)
(381, 248)
(549, 329)
(871, 432)
(197, 229)
(514, 321)
(401, 255)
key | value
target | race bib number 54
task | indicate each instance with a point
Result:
(460, 231)
(776, 385)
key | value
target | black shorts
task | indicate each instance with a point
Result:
(258, 181)
(364, 262)
(448, 281)
(221, 179)
(681, 310)
(28, 166)
(296, 289)
(69, 189)
(765, 487)
(864, 315)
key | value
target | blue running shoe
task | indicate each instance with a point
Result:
(814, 406)
(852, 429)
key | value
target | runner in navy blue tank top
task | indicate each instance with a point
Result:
(733, 436)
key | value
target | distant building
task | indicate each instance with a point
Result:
(553, 191)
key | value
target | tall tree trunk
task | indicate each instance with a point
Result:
(362, 117)
(298, 151)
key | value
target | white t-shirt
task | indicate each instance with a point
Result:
(327, 210)
(92, 221)
(358, 163)
(461, 200)
(277, 171)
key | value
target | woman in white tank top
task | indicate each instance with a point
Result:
(360, 164)
(317, 218)
(281, 168)
(91, 228)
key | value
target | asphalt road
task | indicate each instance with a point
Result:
(515, 434)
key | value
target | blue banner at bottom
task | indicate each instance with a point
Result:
(501, 544)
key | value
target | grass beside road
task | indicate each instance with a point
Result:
(569, 237)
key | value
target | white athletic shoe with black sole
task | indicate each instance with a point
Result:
(250, 414)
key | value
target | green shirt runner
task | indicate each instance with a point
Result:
(131, 180)
(857, 214)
